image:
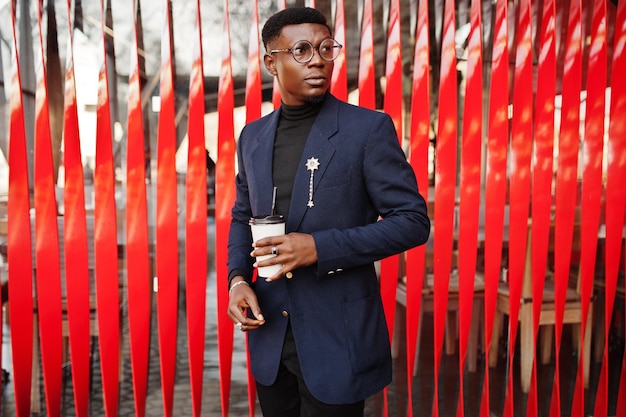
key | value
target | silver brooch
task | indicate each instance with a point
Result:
(311, 165)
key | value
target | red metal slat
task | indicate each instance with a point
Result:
(615, 194)
(47, 243)
(566, 180)
(543, 170)
(393, 69)
(196, 224)
(225, 197)
(253, 112)
(495, 182)
(389, 269)
(469, 190)
(253, 75)
(75, 239)
(445, 181)
(339, 83)
(393, 107)
(519, 183)
(137, 252)
(591, 181)
(105, 240)
(19, 241)
(166, 222)
(367, 93)
(418, 157)
(276, 90)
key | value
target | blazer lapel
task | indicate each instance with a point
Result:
(318, 147)
(260, 168)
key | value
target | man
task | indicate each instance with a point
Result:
(318, 340)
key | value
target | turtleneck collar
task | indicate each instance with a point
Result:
(302, 111)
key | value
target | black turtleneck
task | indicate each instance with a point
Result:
(292, 132)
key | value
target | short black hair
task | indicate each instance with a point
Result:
(290, 16)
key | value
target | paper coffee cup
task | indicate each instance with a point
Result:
(265, 226)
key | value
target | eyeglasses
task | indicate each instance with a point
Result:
(302, 51)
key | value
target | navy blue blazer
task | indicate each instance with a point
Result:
(334, 306)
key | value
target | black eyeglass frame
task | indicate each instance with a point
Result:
(334, 45)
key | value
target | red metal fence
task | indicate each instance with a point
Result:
(525, 160)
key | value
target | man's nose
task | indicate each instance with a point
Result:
(317, 57)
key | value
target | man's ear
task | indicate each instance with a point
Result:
(270, 64)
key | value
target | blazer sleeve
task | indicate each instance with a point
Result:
(392, 190)
(240, 236)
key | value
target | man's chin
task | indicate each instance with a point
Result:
(316, 98)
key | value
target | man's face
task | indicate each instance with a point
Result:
(300, 83)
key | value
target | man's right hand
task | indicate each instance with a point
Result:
(241, 298)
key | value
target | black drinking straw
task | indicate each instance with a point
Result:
(274, 200)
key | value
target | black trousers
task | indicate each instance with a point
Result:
(289, 396)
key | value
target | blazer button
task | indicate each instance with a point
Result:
(285, 313)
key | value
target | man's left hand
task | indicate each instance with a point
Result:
(294, 250)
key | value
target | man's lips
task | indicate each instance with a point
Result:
(316, 80)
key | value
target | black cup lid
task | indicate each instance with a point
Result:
(271, 219)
